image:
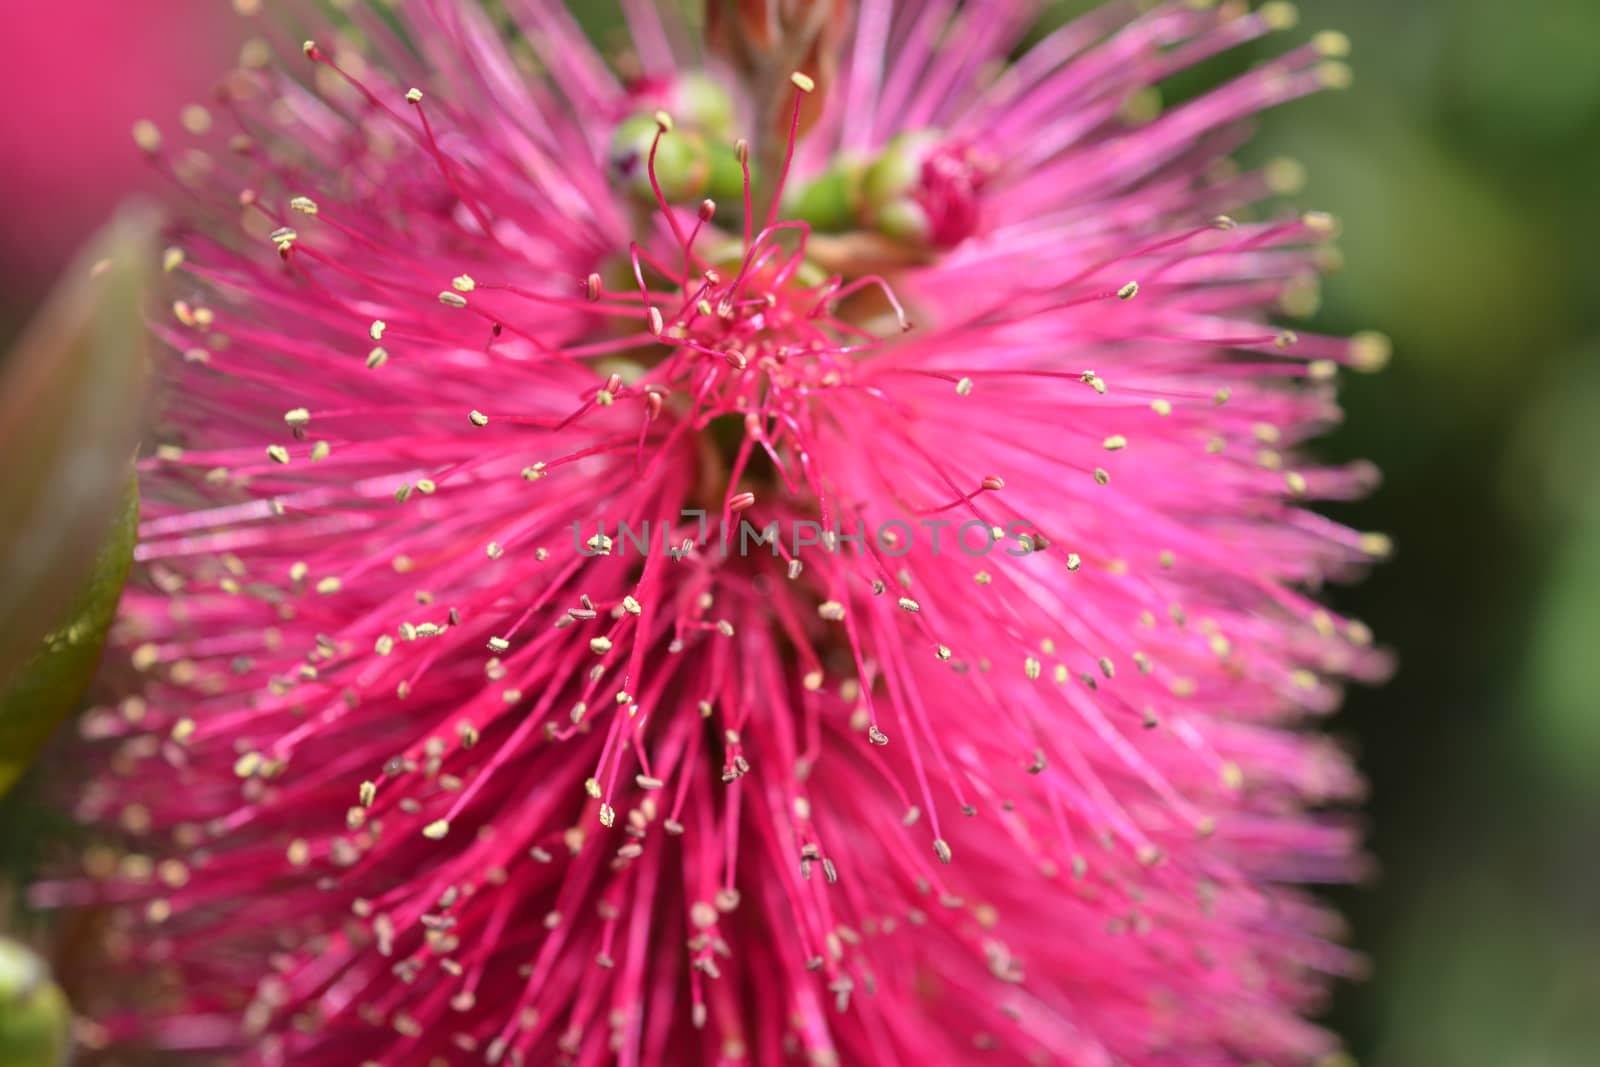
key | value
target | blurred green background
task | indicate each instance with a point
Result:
(1465, 163)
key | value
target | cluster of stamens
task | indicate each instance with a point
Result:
(523, 779)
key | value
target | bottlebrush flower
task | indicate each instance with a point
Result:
(998, 753)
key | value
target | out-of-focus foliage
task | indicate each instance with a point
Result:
(70, 416)
(1463, 161)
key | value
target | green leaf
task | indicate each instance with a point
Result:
(70, 414)
(47, 687)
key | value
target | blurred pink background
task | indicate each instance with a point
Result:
(77, 75)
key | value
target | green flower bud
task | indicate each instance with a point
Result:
(926, 190)
(705, 105)
(904, 220)
(832, 202)
(689, 164)
(896, 172)
(920, 191)
(681, 165)
(35, 1019)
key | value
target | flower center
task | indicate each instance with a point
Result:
(751, 327)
